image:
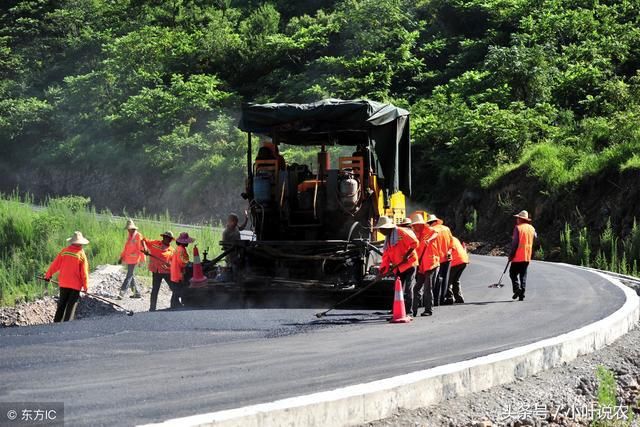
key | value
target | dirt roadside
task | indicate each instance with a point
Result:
(105, 281)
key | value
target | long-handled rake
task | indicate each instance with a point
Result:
(98, 297)
(500, 284)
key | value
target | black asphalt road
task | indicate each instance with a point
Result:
(123, 370)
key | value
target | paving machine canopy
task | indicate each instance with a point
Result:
(383, 127)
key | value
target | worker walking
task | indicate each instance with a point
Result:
(160, 253)
(399, 253)
(521, 252)
(179, 261)
(131, 255)
(444, 241)
(459, 261)
(428, 264)
(73, 268)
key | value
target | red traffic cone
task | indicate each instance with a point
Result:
(399, 312)
(198, 276)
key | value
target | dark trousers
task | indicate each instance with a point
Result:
(440, 289)
(156, 281)
(408, 279)
(176, 293)
(67, 303)
(518, 275)
(454, 283)
(423, 291)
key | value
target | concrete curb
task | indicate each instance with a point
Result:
(362, 403)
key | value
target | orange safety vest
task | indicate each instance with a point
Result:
(157, 249)
(73, 266)
(444, 241)
(459, 254)
(179, 261)
(526, 234)
(394, 254)
(132, 252)
(428, 252)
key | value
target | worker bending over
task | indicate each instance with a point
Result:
(73, 268)
(521, 251)
(159, 253)
(428, 264)
(131, 255)
(179, 261)
(444, 242)
(459, 261)
(399, 256)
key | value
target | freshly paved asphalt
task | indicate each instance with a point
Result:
(123, 370)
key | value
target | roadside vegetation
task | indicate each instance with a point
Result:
(144, 97)
(30, 237)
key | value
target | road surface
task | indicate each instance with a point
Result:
(122, 370)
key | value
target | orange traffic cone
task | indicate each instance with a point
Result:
(198, 276)
(399, 312)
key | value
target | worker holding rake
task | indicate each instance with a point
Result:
(73, 276)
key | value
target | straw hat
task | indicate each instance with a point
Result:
(130, 225)
(432, 218)
(77, 239)
(384, 222)
(523, 215)
(417, 219)
(405, 222)
(185, 239)
(168, 234)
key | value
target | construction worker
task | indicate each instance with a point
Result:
(160, 253)
(73, 268)
(444, 241)
(179, 261)
(132, 254)
(232, 233)
(459, 261)
(400, 254)
(428, 264)
(521, 251)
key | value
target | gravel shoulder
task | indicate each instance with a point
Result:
(105, 281)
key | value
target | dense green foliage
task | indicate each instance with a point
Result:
(30, 239)
(153, 87)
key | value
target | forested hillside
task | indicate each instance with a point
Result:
(134, 103)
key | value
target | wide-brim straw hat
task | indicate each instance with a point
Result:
(523, 215)
(385, 222)
(432, 218)
(417, 219)
(168, 234)
(405, 222)
(185, 239)
(77, 239)
(130, 225)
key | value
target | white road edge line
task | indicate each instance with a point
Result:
(362, 403)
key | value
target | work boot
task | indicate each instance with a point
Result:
(121, 294)
(459, 299)
(447, 302)
(516, 295)
(521, 297)
(426, 313)
(136, 295)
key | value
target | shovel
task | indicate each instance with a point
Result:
(500, 284)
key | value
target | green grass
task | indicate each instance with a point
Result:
(30, 239)
(557, 165)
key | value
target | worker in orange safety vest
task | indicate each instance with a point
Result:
(428, 264)
(160, 253)
(73, 268)
(521, 252)
(459, 261)
(179, 261)
(400, 251)
(444, 242)
(131, 255)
